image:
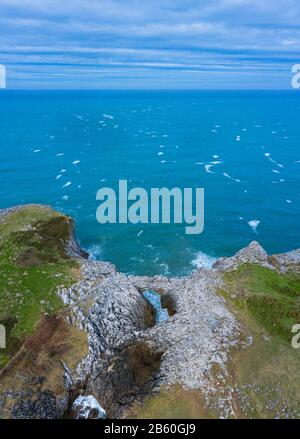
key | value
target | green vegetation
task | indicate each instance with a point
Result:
(266, 373)
(273, 299)
(33, 263)
(174, 403)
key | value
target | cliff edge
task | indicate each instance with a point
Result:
(83, 340)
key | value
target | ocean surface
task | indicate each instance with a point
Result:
(243, 148)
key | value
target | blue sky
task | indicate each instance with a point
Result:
(193, 44)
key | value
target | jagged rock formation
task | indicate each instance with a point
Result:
(130, 358)
(196, 338)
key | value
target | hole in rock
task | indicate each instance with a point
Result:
(155, 299)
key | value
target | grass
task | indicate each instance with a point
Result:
(33, 263)
(273, 299)
(267, 373)
(173, 402)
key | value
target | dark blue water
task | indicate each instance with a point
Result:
(93, 139)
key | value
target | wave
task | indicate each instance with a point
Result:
(95, 252)
(202, 260)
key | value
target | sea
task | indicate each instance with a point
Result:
(242, 147)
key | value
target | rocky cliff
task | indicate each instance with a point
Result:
(78, 330)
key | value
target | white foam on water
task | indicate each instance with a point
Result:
(108, 116)
(160, 153)
(254, 224)
(288, 201)
(207, 169)
(36, 150)
(58, 176)
(60, 154)
(268, 156)
(275, 171)
(76, 162)
(202, 260)
(140, 233)
(65, 197)
(238, 138)
(163, 161)
(95, 252)
(67, 184)
(63, 171)
(237, 180)
(215, 156)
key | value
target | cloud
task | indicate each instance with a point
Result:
(186, 43)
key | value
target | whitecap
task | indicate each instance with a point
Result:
(60, 154)
(58, 176)
(95, 252)
(202, 260)
(108, 116)
(65, 197)
(268, 156)
(254, 224)
(288, 201)
(67, 184)
(76, 162)
(160, 153)
(36, 150)
(207, 169)
(140, 232)
(237, 180)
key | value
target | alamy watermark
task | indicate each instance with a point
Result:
(2, 76)
(158, 205)
(296, 338)
(2, 337)
(296, 76)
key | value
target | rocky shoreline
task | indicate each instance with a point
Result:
(130, 358)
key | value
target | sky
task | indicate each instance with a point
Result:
(149, 44)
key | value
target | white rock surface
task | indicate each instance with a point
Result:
(88, 407)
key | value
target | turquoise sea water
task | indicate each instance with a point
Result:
(155, 139)
(154, 298)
